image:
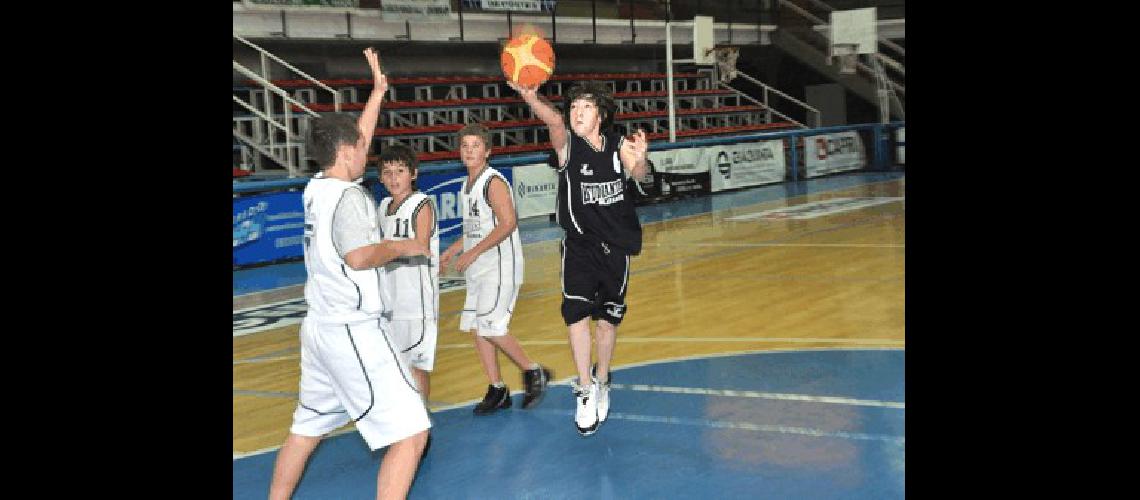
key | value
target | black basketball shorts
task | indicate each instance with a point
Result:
(595, 278)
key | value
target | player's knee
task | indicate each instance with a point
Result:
(574, 310)
(611, 313)
(491, 334)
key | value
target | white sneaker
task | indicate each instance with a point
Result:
(586, 413)
(603, 401)
(603, 394)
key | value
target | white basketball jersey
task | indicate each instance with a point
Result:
(479, 221)
(414, 280)
(335, 292)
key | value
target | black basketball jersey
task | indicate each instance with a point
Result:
(594, 201)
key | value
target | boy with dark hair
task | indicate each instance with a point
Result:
(406, 214)
(596, 211)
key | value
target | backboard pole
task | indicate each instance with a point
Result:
(669, 81)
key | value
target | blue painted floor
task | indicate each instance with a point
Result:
(542, 228)
(798, 424)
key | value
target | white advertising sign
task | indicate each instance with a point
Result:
(748, 164)
(518, 5)
(399, 10)
(535, 188)
(680, 161)
(827, 154)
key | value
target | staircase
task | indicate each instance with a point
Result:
(264, 120)
(880, 82)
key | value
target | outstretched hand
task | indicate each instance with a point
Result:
(465, 260)
(379, 80)
(524, 92)
(445, 259)
(637, 145)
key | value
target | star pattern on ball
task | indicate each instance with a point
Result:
(524, 57)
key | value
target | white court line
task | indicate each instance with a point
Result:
(266, 360)
(276, 324)
(434, 409)
(816, 209)
(270, 305)
(808, 245)
(761, 395)
(671, 219)
(782, 429)
(335, 433)
(647, 340)
(566, 381)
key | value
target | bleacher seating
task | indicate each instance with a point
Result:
(424, 112)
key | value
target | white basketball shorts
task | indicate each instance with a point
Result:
(490, 301)
(416, 340)
(354, 373)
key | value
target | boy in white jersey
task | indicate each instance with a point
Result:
(350, 370)
(492, 262)
(414, 281)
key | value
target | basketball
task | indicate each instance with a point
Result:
(527, 60)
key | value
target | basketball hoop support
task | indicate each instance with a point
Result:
(848, 56)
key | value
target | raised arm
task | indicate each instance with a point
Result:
(371, 113)
(634, 154)
(550, 116)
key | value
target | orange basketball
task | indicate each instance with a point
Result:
(527, 60)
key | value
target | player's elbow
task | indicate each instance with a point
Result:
(358, 259)
(356, 264)
(509, 224)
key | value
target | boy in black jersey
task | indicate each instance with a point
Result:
(596, 211)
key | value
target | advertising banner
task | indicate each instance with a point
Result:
(535, 188)
(400, 10)
(267, 227)
(321, 3)
(648, 189)
(513, 5)
(748, 164)
(681, 171)
(830, 153)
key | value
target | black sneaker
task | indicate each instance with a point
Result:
(496, 399)
(535, 382)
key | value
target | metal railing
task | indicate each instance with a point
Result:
(265, 70)
(812, 113)
(289, 153)
(262, 135)
(825, 39)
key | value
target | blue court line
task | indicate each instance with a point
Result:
(541, 228)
